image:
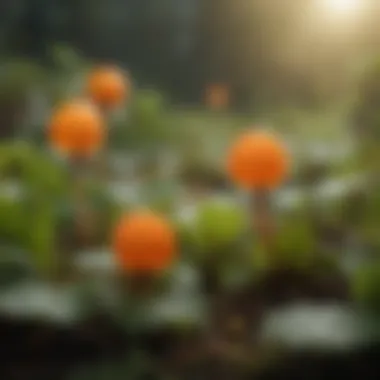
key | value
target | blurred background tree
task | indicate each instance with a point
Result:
(263, 52)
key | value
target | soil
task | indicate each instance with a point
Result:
(224, 350)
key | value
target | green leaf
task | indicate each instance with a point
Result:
(366, 285)
(219, 224)
(295, 242)
(42, 239)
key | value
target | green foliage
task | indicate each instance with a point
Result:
(30, 218)
(295, 243)
(17, 77)
(366, 285)
(67, 78)
(218, 225)
(27, 218)
(349, 210)
(162, 196)
(12, 228)
(372, 207)
(366, 116)
(66, 58)
(101, 213)
(34, 168)
(370, 86)
(41, 238)
(186, 238)
(106, 212)
(30, 228)
(311, 173)
(197, 171)
(15, 265)
(365, 215)
(147, 125)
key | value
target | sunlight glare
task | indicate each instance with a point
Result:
(340, 7)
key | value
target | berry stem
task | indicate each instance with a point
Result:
(263, 221)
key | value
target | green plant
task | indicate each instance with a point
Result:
(32, 167)
(28, 218)
(147, 125)
(218, 225)
(17, 77)
(198, 172)
(366, 285)
(12, 228)
(295, 243)
(365, 115)
(92, 227)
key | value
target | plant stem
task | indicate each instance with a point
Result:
(138, 285)
(210, 275)
(78, 199)
(263, 221)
